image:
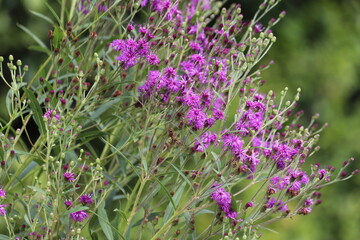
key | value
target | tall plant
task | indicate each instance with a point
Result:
(152, 125)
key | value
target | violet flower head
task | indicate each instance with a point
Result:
(259, 27)
(197, 118)
(69, 176)
(85, 199)
(52, 114)
(206, 139)
(131, 51)
(79, 216)
(223, 199)
(2, 194)
(153, 59)
(68, 203)
(2, 210)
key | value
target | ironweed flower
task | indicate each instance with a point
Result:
(69, 176)
(85, 199)
(2, 194)
(79, 216)
(2, 209)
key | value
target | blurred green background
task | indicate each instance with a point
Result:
(318, 50)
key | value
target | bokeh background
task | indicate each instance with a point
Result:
(318, 50)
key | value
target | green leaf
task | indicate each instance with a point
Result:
(58, 36)
(52, 11)
(182, 175)
(42, 16)
(166, 192)
(104, 107)
(9, 103)
(27, 220)
(38, 190)
(40, 49)
(176, 199)
(32, 35)
(3, 237)
(36, 109)
(217, 160)
(104, 221)
(123, 156)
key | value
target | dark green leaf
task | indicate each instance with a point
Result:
(176, 199)
(104, 221)
(36, 109)
(32, 35)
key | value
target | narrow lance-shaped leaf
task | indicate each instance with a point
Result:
(36, 109)
(104, 221)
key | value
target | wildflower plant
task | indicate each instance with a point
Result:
(137, 136)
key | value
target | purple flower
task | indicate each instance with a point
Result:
(144, 2)
(321, 173)
(249, 204)
(131, 51)
(153, 59)
(304, 211)
(68, 203)
(79, 216)
(282, 206)
(50, 114)
(232, 142)
(206, 139)
(308, 202)
(69, 176)
(2, 194)
(223, 199)
(85, 199)
(295, 186)
(231, 214)
(191, 99)
(259, 27)
(197, 118)
(270, 203)
(2, 210)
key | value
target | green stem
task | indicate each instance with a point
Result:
(27, 161)
(134, 208)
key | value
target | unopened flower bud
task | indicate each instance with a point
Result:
(282, 14)
(262, 6)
